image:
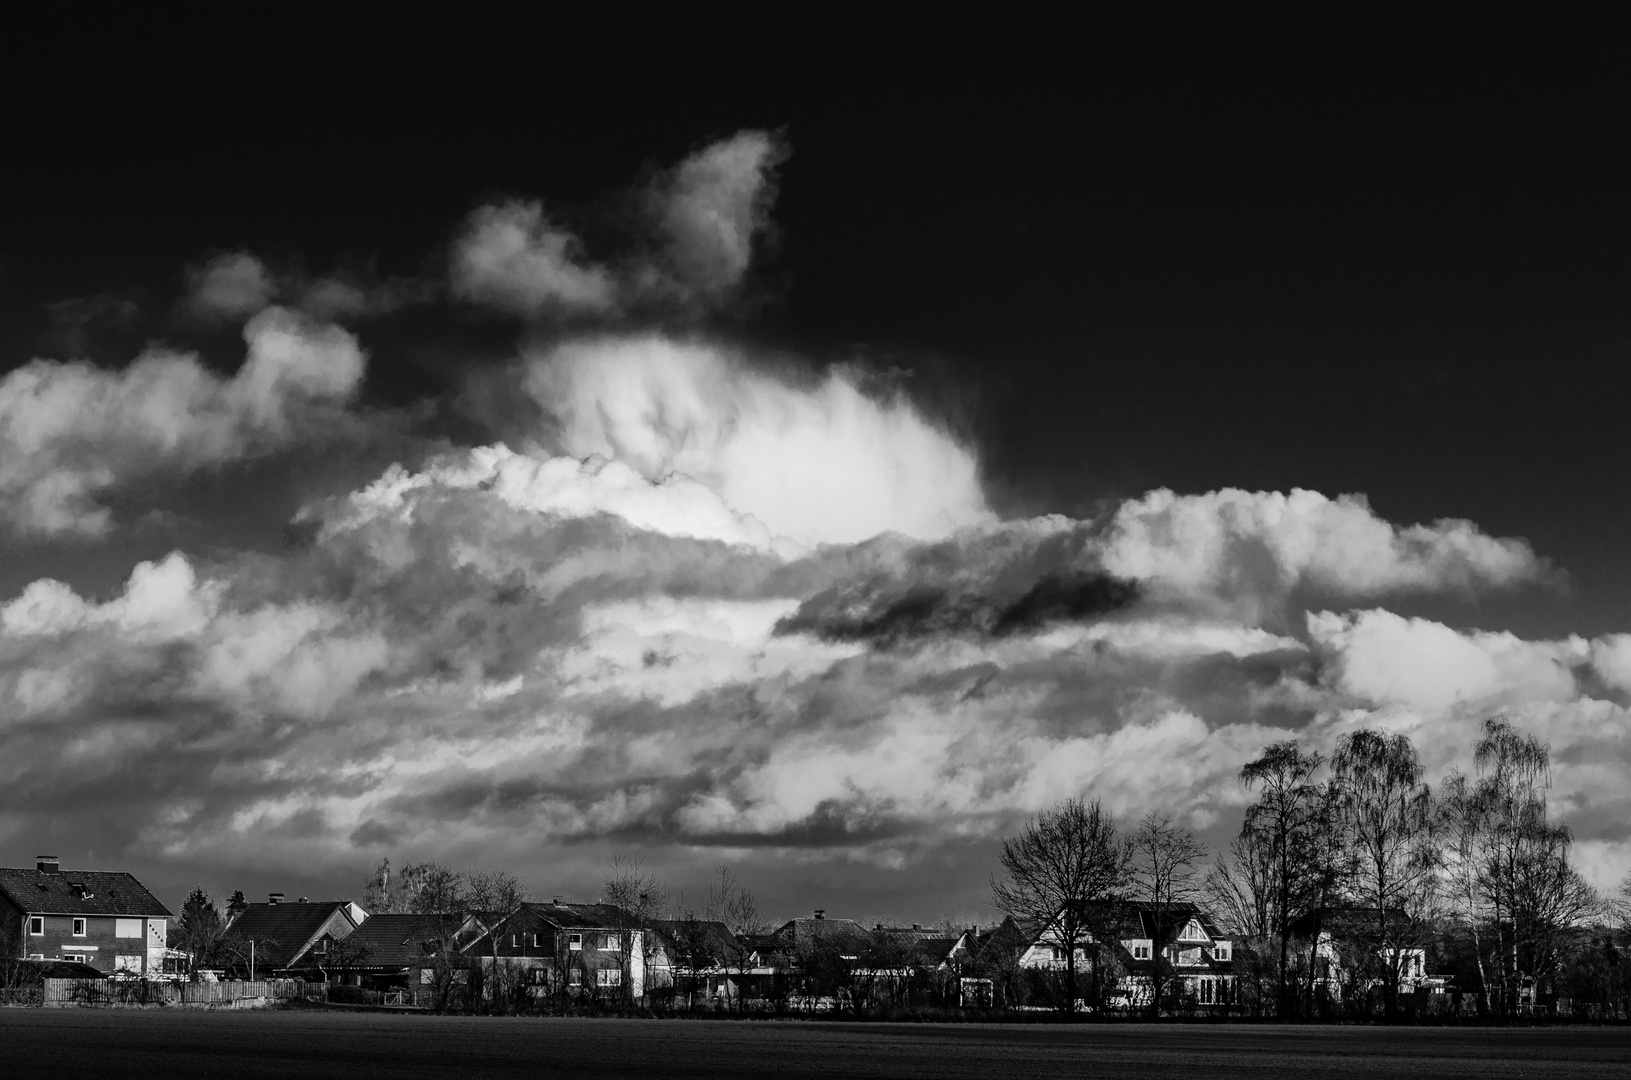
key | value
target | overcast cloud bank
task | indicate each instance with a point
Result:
(706, 605)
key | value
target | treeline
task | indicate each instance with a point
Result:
(1360, 852)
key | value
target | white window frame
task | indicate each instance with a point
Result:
(574, 942)
(1141, 952)
(36, 925)
(608, 978)
(1220, 952)
(609, 943)
(81, 926)
(77, 958)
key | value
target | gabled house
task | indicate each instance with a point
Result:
(697, 958)
(1197, 959)
(409, 951)
(106, 919)
(1340, 962)
(578, 948)
(286, 939)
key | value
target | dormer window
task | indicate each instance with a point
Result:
(1220, 951)
(1193, 932)
(1141, 951)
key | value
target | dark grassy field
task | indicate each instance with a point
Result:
(119, 1044)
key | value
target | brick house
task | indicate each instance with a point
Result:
(103, 918)
(580, 948)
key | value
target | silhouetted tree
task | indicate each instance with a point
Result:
(1065, 861)
(1387, 823)
(1165, 870)
(1285, 821)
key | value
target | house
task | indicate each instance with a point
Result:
(408, 951)
(106, 919)
(1197, 959)
(1197, 955)
(284, 939)
(575, 947)
(697, 958)
(1341, 931)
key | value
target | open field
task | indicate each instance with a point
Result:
(121, 1044)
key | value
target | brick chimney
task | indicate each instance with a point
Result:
(47, 864)
(821, 913)
(274, 898)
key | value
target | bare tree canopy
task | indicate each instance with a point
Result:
(1165, 868)
(1063, 861)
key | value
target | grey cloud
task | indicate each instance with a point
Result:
(692, 237)
(231, 286)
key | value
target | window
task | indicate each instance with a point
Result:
(36, 924)
(79, 928)
(574, 977)
(127, 928)
(574, 942)
(78, 958)
(1141, 952)
(1221, 951)
(609, 942)
(535, 939)
(514, 940)
(608, 977)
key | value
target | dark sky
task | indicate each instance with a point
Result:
(1352, 253)
(1348, 253)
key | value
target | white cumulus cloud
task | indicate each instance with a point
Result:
(825, 462)
(72, 432)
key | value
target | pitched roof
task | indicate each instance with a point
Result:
(714, 938)
(106, 892)
(282, 931)
(796, 931)
(401, 940)
(569, 916)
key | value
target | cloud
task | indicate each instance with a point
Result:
(500, 646)
(691, 241)
(232, 286)
(569, 488)
(1391, 660)
(1250, 550)
(819, 462)
(72, 433)
(711, 209)
(510, 257)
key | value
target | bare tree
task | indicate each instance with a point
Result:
(1386, 817)
(430, 888)
(1063, 862)
(738, 908)
(1239, 889)
(639, 897)
(1285, 820)
(493, 896)
(1165, 868)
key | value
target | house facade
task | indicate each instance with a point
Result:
(106, 919)
(590, 949)
(1196, 959)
